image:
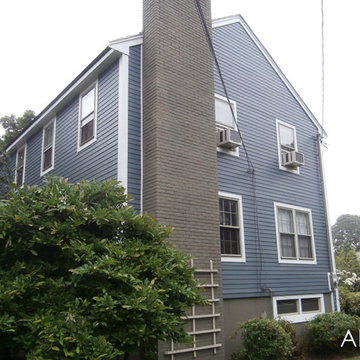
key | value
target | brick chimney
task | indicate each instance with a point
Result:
(180, 186)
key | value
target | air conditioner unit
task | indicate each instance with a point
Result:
(293, 159)
(229, 138)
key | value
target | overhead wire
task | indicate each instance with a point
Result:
(251, 168)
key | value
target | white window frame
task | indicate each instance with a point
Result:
(300, 316)
(88, 89)
(219, 126)
(294, 209)
(24, 165)
(281, 166)
(241, 257)
(42, 171)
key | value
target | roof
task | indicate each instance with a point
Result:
(121, 46)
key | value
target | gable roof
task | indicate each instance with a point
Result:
(239, 19)
(121, 46)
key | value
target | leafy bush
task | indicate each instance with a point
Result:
(326, 332)
(266, 339)
(350, 302)
(85, 277)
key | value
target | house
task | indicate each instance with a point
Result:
(250, 207)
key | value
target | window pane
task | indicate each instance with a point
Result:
(88, 103)
(287, 137)
(48, 136)
(20, 159)
(308, 305)
(87, 132)
(287, 245)
(229, 212)
(287, 307)
(229, 238)
(223, 113)
(302, 223)
(19, 176)
(47, 159)
(285, 219)
(305, 249)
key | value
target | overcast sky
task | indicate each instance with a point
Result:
(45, 44)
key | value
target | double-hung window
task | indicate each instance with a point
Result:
(294, 234)
(87, 118)
(286, 143)
(48, 147)
(298, 308)
(20, 166)
(231, 228)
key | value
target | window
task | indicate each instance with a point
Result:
(224, 119)
(298, 308)
(20, 166)
(87, 131)
(231, 227)
(294, 234)
(286, 142)
(47, 159)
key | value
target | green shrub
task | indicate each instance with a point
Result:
(266, 339)
(84, 277)
(327, 331)
(350, 302)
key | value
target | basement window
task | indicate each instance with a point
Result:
(298, 308)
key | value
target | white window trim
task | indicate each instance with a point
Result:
(293, 261)
(95, 86)
(24, 166)
(300, 317)
(242, 257)
(222, 126)
(42, 173)
(281, 167)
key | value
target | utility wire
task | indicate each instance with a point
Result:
(251, 168)
(322, 70)
(211, 46)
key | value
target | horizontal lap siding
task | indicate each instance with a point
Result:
(261, 98)
(134, 128)
(98, 160)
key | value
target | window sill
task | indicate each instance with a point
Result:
(233, 258)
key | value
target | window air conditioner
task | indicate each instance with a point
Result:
(293, 159)
(229, 138)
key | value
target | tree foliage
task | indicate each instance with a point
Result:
(346, 231)
(13, 126)
(85, 277)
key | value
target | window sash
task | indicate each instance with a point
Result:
(288, 307)
(223, 113)
(229, 219)
(287, 138)
(295, 234)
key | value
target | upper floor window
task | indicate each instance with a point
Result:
(294, 234)
(286, 144)
(20, 166)
(48, 145)
(225, 120)
(231, 227)
(87, 118)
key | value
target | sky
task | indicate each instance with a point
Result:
(45, 44)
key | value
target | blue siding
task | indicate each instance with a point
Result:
(98, 160)
(134, 137)
(261, 98)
